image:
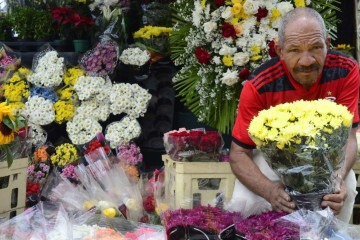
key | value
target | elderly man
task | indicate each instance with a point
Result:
(305, 69)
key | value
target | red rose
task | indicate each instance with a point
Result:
(32, 187)
(272, 51)
(244, 73)
(202, 55)
(149, 204)
(228, 30)
(262, 12)
(210, 142)
(194, 137)
(219, 3)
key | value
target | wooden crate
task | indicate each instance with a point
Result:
(13, 185)
(190, 184)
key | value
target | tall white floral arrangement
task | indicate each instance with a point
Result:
(219, 43)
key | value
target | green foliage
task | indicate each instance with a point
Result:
(42, 25)
(5, 29)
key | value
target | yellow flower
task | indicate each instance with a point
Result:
(228, 61)
(238, 29)
(64, 111)
(6, 134)
(88, 205)
(299, 3)
(236, 2)
(203, 3)
(162, 207)
(5, 110)
(275, 14)
(148, 32)
(255, 58)
(65, 153)
(109, 212)
(236, 9)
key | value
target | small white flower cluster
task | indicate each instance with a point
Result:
(49, 71)
(39, 110)
(37, 134)
(87, 87)
(134, 56)
(82, 129)
(130, 99)
(121, 132)
(99, 110)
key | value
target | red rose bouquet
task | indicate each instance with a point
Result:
(194, 145)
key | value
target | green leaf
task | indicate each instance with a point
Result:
(9, 155)
(8, 122)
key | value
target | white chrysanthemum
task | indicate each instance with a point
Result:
(196, 15)
(210, 27)
(87, 87)
(122, 132)
(99, 110)
(241, 58)
(130, 99)
(134, 56)
(49, 71)
(217, 60)
(39, 110)
(226, 50)
(284, 7)
(38, 134)
(251, 7)
(227, 14)
(259, 40)
(82, 129)
(229, 78)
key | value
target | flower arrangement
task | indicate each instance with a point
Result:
(87, 87)
(41, 154)
(121, 132)
(99, 110)
(304, 142)
(102, 59)
(95, 144)
(48, 71)
(193, 145)
(154, 38)
(72, 74)
(265, 226)
(9, 125)
(129, 153)
(8, 62)
(82, 129)
(64, 154)
(69, 172)
(64, 111)
(16, 89)
(135, 56)
(39, 110)
(130, 99)
(37, 172)
(218, 44)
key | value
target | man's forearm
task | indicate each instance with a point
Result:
(350, 153)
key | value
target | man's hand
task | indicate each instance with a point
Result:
(280, 200)
(335, 201)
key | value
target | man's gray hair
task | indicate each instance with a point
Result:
(296, 13)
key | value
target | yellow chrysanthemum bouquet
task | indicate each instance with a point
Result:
(304, 142)
(154, 39)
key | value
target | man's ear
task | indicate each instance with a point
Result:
(278, 49)
(327, 42)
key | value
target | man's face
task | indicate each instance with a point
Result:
(304, 50)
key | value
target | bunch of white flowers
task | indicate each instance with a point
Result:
(49, 71)
(121, 132)
(130, 99)
(82, 129)
(134, 56)
(39, 110)
(38, 134)
(99, 110)
(87, 87)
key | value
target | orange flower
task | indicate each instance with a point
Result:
(132, 172)
(41, 155)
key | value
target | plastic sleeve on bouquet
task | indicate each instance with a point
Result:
(9, 62)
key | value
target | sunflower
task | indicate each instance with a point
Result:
(6, 134)
(5, 110)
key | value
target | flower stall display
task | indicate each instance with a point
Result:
(137, 61)
(130, 99)
(218, 44)
(193, 145)
(122, 132)
(304, 142)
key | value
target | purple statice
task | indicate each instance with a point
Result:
(130, 154)
(211, 219)
(6, 61)
(69, 172)
(102, 59)
(30, 169)
(264, 226)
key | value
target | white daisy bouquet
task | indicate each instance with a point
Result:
(130, 99)
(99, 110)
(88, 87)
(82, 129)
(135, 56)
(48, 71)
(121, 132)
(39, 110)
(220, 43)
(304, 142)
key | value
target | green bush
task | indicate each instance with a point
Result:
(5, 28)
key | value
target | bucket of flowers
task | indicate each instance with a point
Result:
(304, 143)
